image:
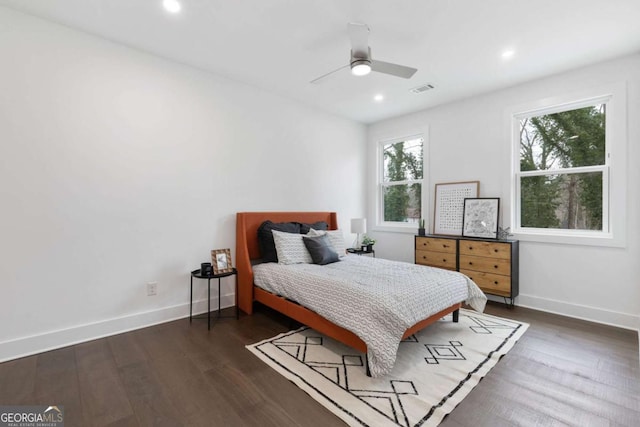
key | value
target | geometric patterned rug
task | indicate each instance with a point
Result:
(434, 370)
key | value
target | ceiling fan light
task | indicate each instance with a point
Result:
(361, 67)
(172, 6)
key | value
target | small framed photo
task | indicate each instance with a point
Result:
(480, 217)
(221, 261)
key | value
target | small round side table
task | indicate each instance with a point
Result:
(361, 252)
(198, 275)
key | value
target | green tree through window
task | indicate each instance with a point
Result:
(562, 166)
(402, 180)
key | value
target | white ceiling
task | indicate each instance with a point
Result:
(281, 45)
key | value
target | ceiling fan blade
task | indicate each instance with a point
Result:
(322, 77)
(393, 69)
(359, 35)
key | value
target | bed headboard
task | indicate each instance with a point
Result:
(247, 249)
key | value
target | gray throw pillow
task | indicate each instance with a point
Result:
(320, 250)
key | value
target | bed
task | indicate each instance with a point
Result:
(247, 253)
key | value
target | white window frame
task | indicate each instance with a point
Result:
(402, 227)
(613, 171)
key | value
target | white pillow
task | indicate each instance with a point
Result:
(336, 238)
(290, 248)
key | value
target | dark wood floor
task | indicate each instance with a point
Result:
(562, 372)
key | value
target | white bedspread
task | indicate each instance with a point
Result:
(376, 299)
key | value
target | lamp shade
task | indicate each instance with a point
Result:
(358, 225)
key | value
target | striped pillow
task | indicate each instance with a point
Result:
(290, 248)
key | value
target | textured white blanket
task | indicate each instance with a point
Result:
(376, 299)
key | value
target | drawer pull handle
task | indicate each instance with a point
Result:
(470, 263)
(495, 266)
(444, 260)
(495, 250)
(424, 257)
(470, 248)
(496, 282)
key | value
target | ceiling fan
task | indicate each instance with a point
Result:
(361, 62)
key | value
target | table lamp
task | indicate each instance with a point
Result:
(358, 227)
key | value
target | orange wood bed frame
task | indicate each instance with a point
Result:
(247, 249)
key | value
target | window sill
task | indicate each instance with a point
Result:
(586, 239)
(405, 229)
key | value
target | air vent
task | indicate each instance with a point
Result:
(421, 88)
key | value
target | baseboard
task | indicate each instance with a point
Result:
(27, 346)
(35, 344)
(578, 311)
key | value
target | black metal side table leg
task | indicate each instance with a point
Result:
(236, 293)
(198, 275)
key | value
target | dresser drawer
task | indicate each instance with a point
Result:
(435, 244)
(436, 259)
(492, 264)
(487, 249)
(487, 265)
(490, 283)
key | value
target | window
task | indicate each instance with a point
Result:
(401, 179)
(564, 172)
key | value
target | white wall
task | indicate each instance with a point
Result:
(118, 168)
(468, 142)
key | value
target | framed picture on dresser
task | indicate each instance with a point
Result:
(480, 217)
(448, 206)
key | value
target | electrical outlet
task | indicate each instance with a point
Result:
(152, 289)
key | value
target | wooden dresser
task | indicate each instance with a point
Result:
(491, 264)
(437, 252)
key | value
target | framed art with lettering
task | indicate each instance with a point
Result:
(449, 206)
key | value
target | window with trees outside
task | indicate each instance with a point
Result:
(401, 180)
(562, 177)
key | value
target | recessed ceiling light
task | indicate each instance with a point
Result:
(172, 6)
(379, 97)
(508, 54)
